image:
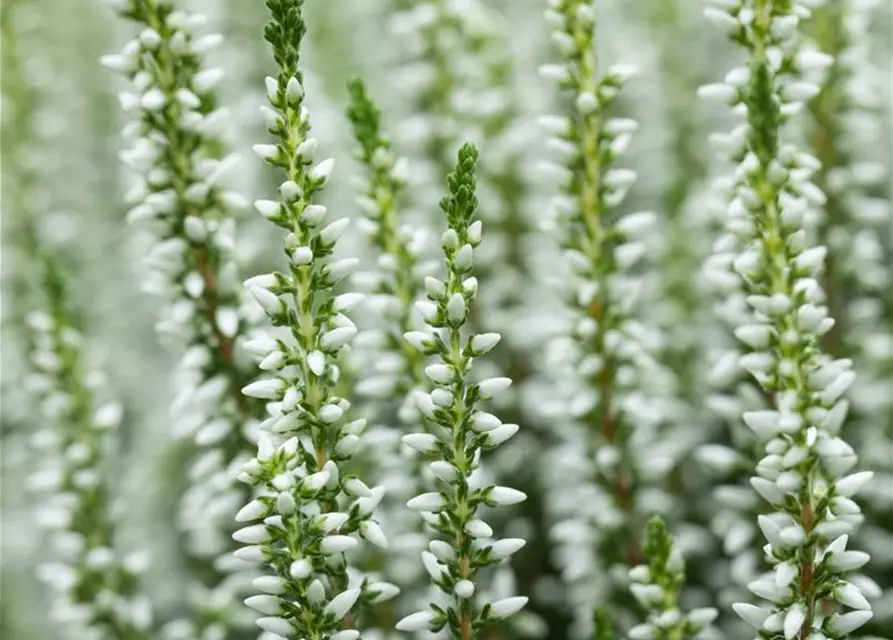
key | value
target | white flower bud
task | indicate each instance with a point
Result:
(265, 604)
(849, 622)
(337, 544)
(255, 534)
(371, 531)
(456, 309)
(269, 389)
(254, 510)
(506, 547)
(275, 625)
(719, 92)
(432, 502)
(421, 442)
(273, 585)
(418, 621)
(483, 343)
(342, 603)
(323, 171)
(505, 496)
(507, 606)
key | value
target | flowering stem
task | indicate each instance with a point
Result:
(457, 431)
(800, 475)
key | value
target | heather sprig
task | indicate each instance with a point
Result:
(457, 432)
(175, 152)
(657, 587)
(803, 472)
(393, 284)
(72, 417)
(309, 511)
(857, 227)
(397, 281)
(610, 402)
(97, 585)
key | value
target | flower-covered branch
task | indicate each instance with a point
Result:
(397, 281)
(98, 586)
(658, 587)
(803, 472)
(175, 152)
(310, 511)
(458, 432)
(610, 373)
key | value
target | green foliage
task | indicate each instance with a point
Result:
(604, 630)
(461, 205)
(365, 118)
(285, 33)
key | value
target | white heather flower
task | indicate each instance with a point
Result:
(451, 301)
(315, 496)
(507, 606)
(602, 377)
(72, 480)
(783, 322)
(418, 621)
(179, 159)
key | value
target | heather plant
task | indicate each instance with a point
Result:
(565, 351)
(459, 432)
(611, 351)
(176, 150)
(803, 474)
(98, 585)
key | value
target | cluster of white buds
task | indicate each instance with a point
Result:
(847, 116)
(397, 280)
(397, 369)
(732, 392)
(488, 108)
(180, 193)
(457, 433)
(97, 587)
(803, 474)
(307, 513)
(609, 353)
(657, 587)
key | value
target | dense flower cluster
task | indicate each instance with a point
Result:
(803, 472)
(97, 586)
(179, 191)
(310, 510)
(458, 432)
(610, 351)
(657, 588)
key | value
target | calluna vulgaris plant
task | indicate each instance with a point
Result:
(177, 151)
(803, 474)
(578, 381)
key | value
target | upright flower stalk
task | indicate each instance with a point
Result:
(857, 228)
(658, 586)
(179, 190)
(609, 352)
(309, 511)
(397, 281)
(98, 586)
(73, 417)
(458, 432)
(397, 369)
(803, 473)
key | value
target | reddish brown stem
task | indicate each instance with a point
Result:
(225, 347)
(620, 487)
